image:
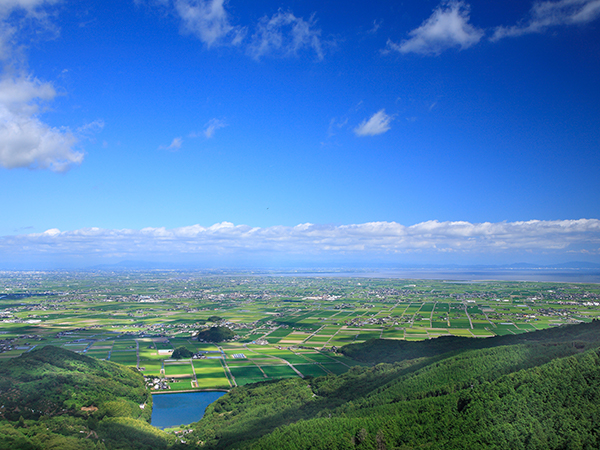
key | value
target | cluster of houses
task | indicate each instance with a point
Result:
(158, 384)
(361, 321)
(6, 345)
(9, 344)
(69, 332)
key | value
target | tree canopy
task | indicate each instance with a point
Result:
(182, 353)
(216, 334)
(539, 390)
(55, 398)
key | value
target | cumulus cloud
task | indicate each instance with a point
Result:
(378, 123)
(212, 126)
(285, 34)
(368, 240)
(544, 15)
(448, 27)
(208, 21)
(26, 141)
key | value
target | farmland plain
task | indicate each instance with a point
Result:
(285, 326)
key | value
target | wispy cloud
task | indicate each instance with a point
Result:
(33, 11)
(173, 146)
(544, 15)
(369, 240)
(335, 125)
(448, 27)
(376, 25)
(212, 126)
(378, 123)
(281, 35)
(208, 21)
(285, 34)
(89, 130)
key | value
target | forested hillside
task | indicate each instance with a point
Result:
(532, 391)
(55, 398)
(385, 350)
(540, 390)
(216, 334)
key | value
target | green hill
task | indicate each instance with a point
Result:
(216, 334)
(386, 350)
(182, 353)
(540, 390)
(54, 398)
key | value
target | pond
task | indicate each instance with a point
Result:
(171, 410)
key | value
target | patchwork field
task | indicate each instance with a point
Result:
(285, 326)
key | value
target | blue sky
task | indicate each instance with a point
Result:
(232, 133)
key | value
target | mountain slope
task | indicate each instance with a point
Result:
(54, 398)
(434, 400)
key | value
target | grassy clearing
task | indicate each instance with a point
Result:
(279, 371)
(182, 385)
(176, 370)
(311, 370)
(246, 372)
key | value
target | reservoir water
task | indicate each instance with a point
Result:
(171, 410)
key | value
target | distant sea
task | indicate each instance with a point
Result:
(470, 274)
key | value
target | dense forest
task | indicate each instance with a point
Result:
(536, 390)
(532, 391)
(52, 398)
(181, 353)
(216, 334)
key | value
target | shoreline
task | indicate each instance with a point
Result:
(168, 391)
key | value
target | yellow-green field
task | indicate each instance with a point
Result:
(285, 326)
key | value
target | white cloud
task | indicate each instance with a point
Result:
(336, 124)
(7, 6)
(285, 34)
(21, 95)
(33, 10)
(368, 240)
(208, 21)
(448, 27)
(378, 123)
(90, 129)
(544, 15)
(282, 34)
(212, 126)
(25, 141)
(376, 25)
(174, 146)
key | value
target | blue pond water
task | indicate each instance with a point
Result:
(171, 410)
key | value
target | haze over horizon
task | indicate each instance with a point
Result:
(276, 133)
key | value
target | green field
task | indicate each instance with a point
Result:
(103, 314)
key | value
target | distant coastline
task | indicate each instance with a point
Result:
(466, 274)
(574, 272)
